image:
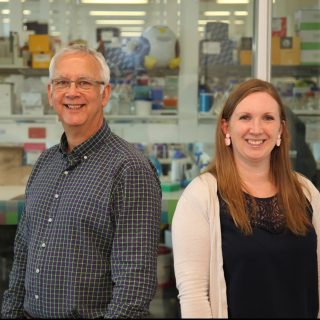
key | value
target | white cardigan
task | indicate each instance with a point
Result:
(197, 248)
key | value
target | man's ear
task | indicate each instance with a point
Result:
(49, 92)
(106, 94)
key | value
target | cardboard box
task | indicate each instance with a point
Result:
(307, 15)
(31, 103)
(285, 51)
(216, 52)
(307, 19)
(37, 133)
(246, 43)
(275, 50)
(6, 94)
(279, 26)
(12, 170)
(33, 151)
(310, 57)
(7, 101)
(41, 60)
(217, 31)
(290, 51)
(310, 46)
(39, 43)
(309, 36)
(245, 57)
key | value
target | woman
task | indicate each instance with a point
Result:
(245, 232)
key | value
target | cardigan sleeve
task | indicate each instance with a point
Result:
(313, 194)
(191, 249)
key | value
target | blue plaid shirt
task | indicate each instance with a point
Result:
(87, 243)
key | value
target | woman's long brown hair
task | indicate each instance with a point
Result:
(290, 193)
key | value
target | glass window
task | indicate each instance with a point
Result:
(295, 59)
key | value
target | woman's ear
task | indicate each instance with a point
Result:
(283, 124)
(224, 126)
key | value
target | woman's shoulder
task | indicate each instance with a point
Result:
(198, 197)
(201, 187)
(306, 182)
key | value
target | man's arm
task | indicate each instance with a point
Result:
(12, 306)
(137, 204)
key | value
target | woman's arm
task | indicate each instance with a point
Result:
(191, 249)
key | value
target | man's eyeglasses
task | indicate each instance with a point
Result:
(82, 84)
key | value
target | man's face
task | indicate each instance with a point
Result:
(78, 107)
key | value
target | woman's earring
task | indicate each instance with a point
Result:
(227, 140)
(278, 140)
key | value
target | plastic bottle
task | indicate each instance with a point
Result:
(205, 96)
(311, 101)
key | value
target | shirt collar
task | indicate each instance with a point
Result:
(87, 147)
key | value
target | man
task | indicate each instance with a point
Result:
(87, 243)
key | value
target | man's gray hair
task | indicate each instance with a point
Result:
(81, 48)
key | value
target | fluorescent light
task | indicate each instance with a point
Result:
(217, 13)
(241, 13)
(116, 1)
(126, 28)
(115, 22)
(5, 11)
(238, 22)
(4, 0)
(202, 22)
(26, 12)
(130, 34)
(232, 1)
(6, 20)
(117, 13)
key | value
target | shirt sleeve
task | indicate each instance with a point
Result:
(191, 252)
(12, 306)
(137, 210)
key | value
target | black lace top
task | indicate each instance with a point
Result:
(271, 273)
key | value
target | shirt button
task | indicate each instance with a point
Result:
(36, 296)
(85, 157)
(50, 220)
(56, 196)
(43, 245)
(37, 270)
(66, 172)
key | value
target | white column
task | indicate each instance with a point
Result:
(188, 77)
(61, 23)
(16, 17)
(172, 9)
(44, 11)
(262, 39)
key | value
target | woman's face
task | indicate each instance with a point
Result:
(254, 128)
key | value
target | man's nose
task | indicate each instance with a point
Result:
(72, 89)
